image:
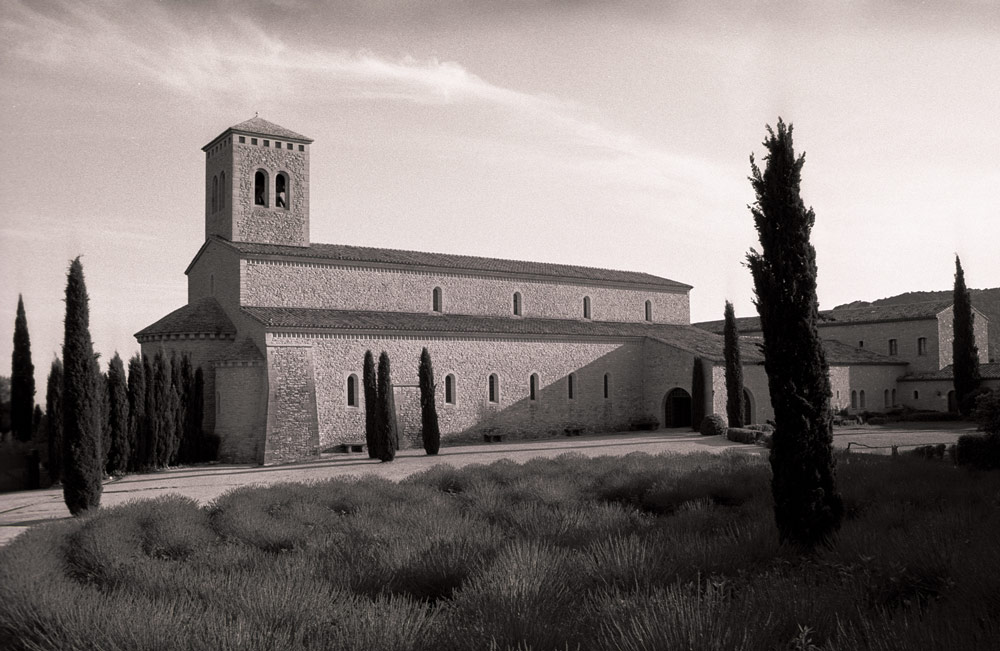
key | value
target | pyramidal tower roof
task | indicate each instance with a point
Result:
(258, 126)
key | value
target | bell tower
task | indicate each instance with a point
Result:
(257, 184)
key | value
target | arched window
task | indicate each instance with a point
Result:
(649, 310)
(449, 389)
(215, 193)
(916, 395)
(893, 397)
(586, 307)
(571, 385)
(222, 191)
(260, 188)
(854, 399)
(436, 300)
(863, 404)
(533, 387)
(885, 399)
(517, 303)
(607, 386)
(281, 190)
(352, 390)
(494, 388)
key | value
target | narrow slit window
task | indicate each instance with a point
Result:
(916, 395)
(222, 191)
(533, 387)
(494, 389)
(449, 389)
(649, 310)
(893, 397)
(854, 399)
(922, 346)
(260, 188)
(607, 386)
(893, 347)
(436, 300)
(861, 344)
(352, 390)
(215, 193)
(517, 303)
(571, 385)
(863, 403)
(586, 307)
(885, 399)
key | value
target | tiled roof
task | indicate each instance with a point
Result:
(989, 371)
(848, 315)
(837, 353)
(203, 316)
(683, 336)
(261, 127)
(446, 261)
(244, 350)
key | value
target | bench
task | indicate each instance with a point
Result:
(347, 448)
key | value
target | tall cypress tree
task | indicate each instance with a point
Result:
(118, 418)
(151, 422)
(734, 370)
(698, 393)
(136, 411)
(964, 352)
(205, 448)
(428, 409)
(177, 406)
(807, 507)
(163, 410)
(187, 453)
(22, 378)
(82, 456)
(370, 382)
(54, 420)
(386, 418)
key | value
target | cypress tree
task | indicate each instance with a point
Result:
(386, 418)
(964, 352)
(163, 409)
(105, 409)
(807, 507)
(698, 393)
(136, 411)
(151, 424)
(118, 418)
(198, 450)
(22, 378)
(82, 455)
(54, 418)
(428, 409)
(178, 406)
(370, 383)
(187, 453)
(734, 370)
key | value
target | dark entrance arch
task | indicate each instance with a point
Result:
(677, 409)
(952, 403)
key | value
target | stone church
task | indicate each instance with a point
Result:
(280, 326)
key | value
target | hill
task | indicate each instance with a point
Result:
(986, 301)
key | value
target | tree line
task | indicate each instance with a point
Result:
(98, 424)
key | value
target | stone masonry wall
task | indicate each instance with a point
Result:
(755, 384)
(216, 273)
(270, 224)
(292, 432)
(283, 284)
(663, 369)
(471, 361)
(877, 335)
(875, 381)
(946, 328)
(219, 221)
(240, 410)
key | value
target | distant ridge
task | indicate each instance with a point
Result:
(986, 301)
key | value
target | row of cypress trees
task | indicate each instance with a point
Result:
(381, 427)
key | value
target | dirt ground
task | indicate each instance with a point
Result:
(23, 509)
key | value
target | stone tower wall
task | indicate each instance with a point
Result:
(270, 224)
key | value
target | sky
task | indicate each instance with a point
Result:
(607, 134)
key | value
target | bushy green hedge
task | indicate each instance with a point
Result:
(980, 451)
(743, 434)
(713, 425)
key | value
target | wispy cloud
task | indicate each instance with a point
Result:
(233, 54)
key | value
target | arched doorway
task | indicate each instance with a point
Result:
(677, 409)
(747, 408)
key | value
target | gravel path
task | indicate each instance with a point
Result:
(22, 509)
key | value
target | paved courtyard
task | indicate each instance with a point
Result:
(23, 509)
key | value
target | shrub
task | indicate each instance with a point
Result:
(767, 428)
(743, 435)
(713, 425)
(980, 451)
(765, 440)
(987, 412)
(877, 420)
